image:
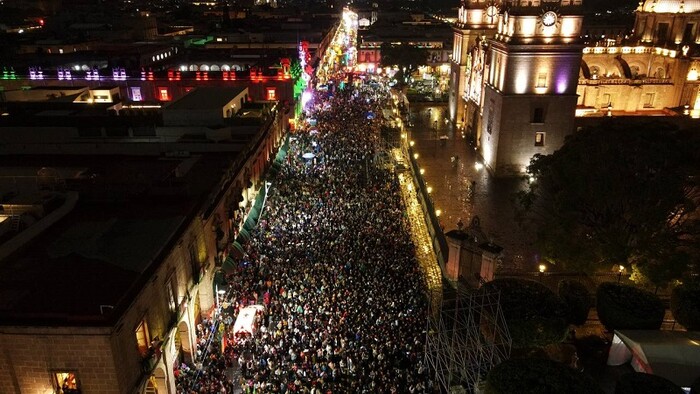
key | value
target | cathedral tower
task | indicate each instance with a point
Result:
(529, 99)
(476, 21)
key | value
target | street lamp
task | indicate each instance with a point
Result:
(620, 270)
(542, 268)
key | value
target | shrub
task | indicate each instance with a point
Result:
(525, 376)
(627, 307)
(577, 300)
(643, 383)
(535, 316)
(685, 305)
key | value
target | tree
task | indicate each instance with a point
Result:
(618, 193)
(627, 307)
(532, 375)
(406, 57)
(685, 305)
(534, 314)
(577, 300)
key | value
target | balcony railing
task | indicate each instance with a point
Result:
(625, 81)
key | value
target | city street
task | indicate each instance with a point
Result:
(492, 198)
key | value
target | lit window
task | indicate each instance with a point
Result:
(271, 93)
(142, 338)
(542, 80)
(136, 93)
(66, 383)
(172, 303)
(163, 94)
(539, 138)
(60, 50)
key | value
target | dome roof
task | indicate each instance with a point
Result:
(671, 6)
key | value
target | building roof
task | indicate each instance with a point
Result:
(671, 6)
(206, 98)
(88, 266)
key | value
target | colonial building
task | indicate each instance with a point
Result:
(516, 71)
(520, 77)
(109, 246)
(654, 70)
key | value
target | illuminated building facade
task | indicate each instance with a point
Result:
(516, 72)
(110, 248)
(656, 69)
(520, 76)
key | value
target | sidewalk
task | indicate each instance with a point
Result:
(493, 198)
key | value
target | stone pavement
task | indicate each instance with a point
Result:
(492, 198)
(419, 235)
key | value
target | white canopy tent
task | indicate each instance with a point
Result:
(674, 355)
(245, 322)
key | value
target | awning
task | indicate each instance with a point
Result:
(229, 264)
(243, 235)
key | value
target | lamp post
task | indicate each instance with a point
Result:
(542, 268)
(620, 270)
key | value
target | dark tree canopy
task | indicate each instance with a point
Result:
(627, 307)
(404, 56)
(619, 193)
(541, 376)
(685, 304)
(577, 300)
(534, 314)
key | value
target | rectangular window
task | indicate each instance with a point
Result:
(539, 138)
(143, 339)
(606, 100)
(172, 296)
(136, 93)
(662, 33)
(538, 115)
(689, 33)
(163, 94)
(66, 382)
(649, 100)
(542, 80)
(194, 263)
(271, 94)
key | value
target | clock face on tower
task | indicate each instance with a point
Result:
(491, 11)
(549, 18)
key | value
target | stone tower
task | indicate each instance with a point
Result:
(477, 20)
(529, 99)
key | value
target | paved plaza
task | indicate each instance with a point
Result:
(492, 199)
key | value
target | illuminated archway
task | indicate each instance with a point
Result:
(183, 345)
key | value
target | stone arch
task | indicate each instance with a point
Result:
(214, 67)
(193, 67)
(624, 67)
(637, 69)
(183, 342)
(157, 383)
(204, 67)
(585, 71)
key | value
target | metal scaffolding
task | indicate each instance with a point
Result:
(467, 336)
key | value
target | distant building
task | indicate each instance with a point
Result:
(109, 244)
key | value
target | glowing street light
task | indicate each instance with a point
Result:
(478, 166)
(422, 171)
(620, 270)
(542, 268)
(438, 212)
(412, 143)
(429, 189)
(415, 156)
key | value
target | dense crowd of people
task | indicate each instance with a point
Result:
(333, 264)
